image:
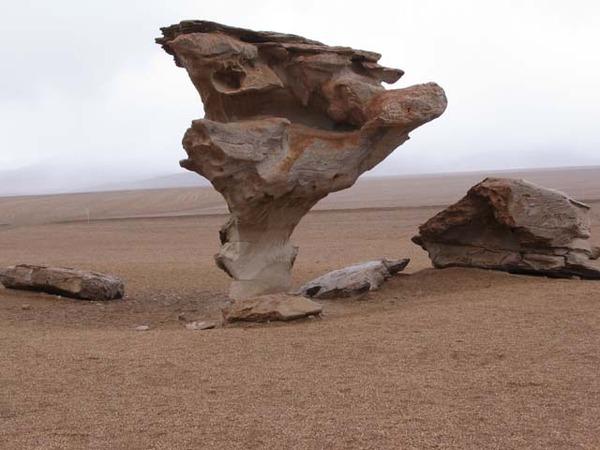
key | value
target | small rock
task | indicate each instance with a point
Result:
(200, 325)
(25, 307)
(181, 317)
(353, 280)
(270, 307)
(142, 328)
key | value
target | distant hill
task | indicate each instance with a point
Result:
(163, 196)
(49, 178)
(177, 180)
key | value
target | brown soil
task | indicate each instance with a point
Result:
(452, 358)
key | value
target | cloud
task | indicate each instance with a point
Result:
(83, 82)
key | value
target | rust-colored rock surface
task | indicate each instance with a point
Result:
(288, 120)
(514, 226)
(63, 281)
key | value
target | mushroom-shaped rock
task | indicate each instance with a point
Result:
(287, 121)
(353, 280)
(514, 226)
(63, 281)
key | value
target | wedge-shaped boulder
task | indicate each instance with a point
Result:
(514, 226)
(63, 281)
(353, 280)
(270, 307)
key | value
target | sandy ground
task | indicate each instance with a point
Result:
(452, 358)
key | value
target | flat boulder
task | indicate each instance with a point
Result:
(62, 281)
(513, 226)
(270, 307)
(353, 280)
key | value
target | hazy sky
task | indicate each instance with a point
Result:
(83, 85)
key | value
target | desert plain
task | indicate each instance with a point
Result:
(453, 358)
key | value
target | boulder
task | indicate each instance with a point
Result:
(63, 281)
(287, 121)
(513, 226)
(353, 280)
(270, 307)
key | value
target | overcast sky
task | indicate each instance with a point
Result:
(83, 87)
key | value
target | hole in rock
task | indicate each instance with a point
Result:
(248, 105)
(311, 292)
(229, 77)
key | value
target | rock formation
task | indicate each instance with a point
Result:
(270, 307)
(63, 281)
(514, 226)
(353, 280)
(287, 121)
